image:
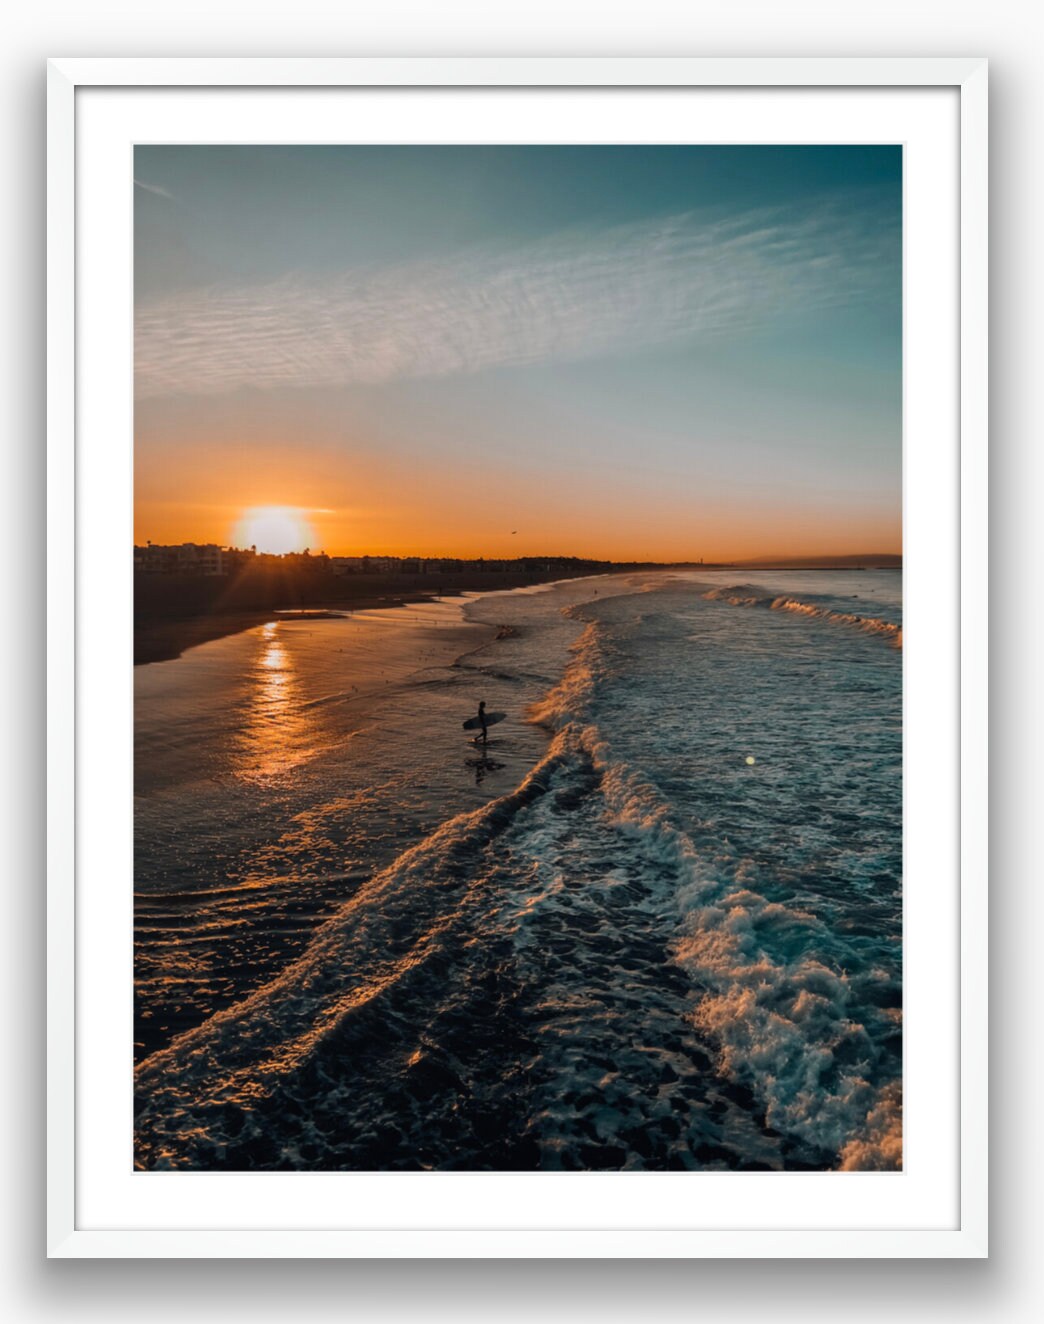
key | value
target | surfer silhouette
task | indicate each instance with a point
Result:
(482, 723)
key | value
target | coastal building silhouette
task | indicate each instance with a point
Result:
(187, 558)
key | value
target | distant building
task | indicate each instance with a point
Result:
(346, 565)
(187, 558)
(235, 559)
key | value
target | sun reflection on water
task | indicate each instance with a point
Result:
(276, 733)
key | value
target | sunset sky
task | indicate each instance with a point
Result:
(652, 353)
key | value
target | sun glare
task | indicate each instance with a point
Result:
(274, 529)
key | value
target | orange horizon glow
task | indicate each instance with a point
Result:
(371, 503)
(281, 529)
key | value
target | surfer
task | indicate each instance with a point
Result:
(482, 723)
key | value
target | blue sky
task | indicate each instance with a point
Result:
(658, 352)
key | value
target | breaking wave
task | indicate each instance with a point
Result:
(749, 595)
(783, 1015)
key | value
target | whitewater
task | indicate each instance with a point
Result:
(655, 924)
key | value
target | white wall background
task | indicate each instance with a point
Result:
(1002, 1289)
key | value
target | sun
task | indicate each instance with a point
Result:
(274, 529)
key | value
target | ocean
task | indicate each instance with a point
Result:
(655, 923)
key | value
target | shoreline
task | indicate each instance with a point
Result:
(164, 635)
(165, 638)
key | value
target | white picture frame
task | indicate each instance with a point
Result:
(83, 477)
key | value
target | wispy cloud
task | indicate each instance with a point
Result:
(569, 297)
(155, 188)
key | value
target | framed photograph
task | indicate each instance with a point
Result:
(516, 751)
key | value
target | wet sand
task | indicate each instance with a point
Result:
(164, 640)
(160, 638)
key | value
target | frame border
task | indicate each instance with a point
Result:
(64, 76)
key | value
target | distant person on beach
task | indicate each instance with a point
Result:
(482, 719)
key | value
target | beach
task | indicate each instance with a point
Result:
(173, 614)
(654, 923)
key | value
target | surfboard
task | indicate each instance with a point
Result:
(473, 723)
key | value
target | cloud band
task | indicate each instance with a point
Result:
(569, 297)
